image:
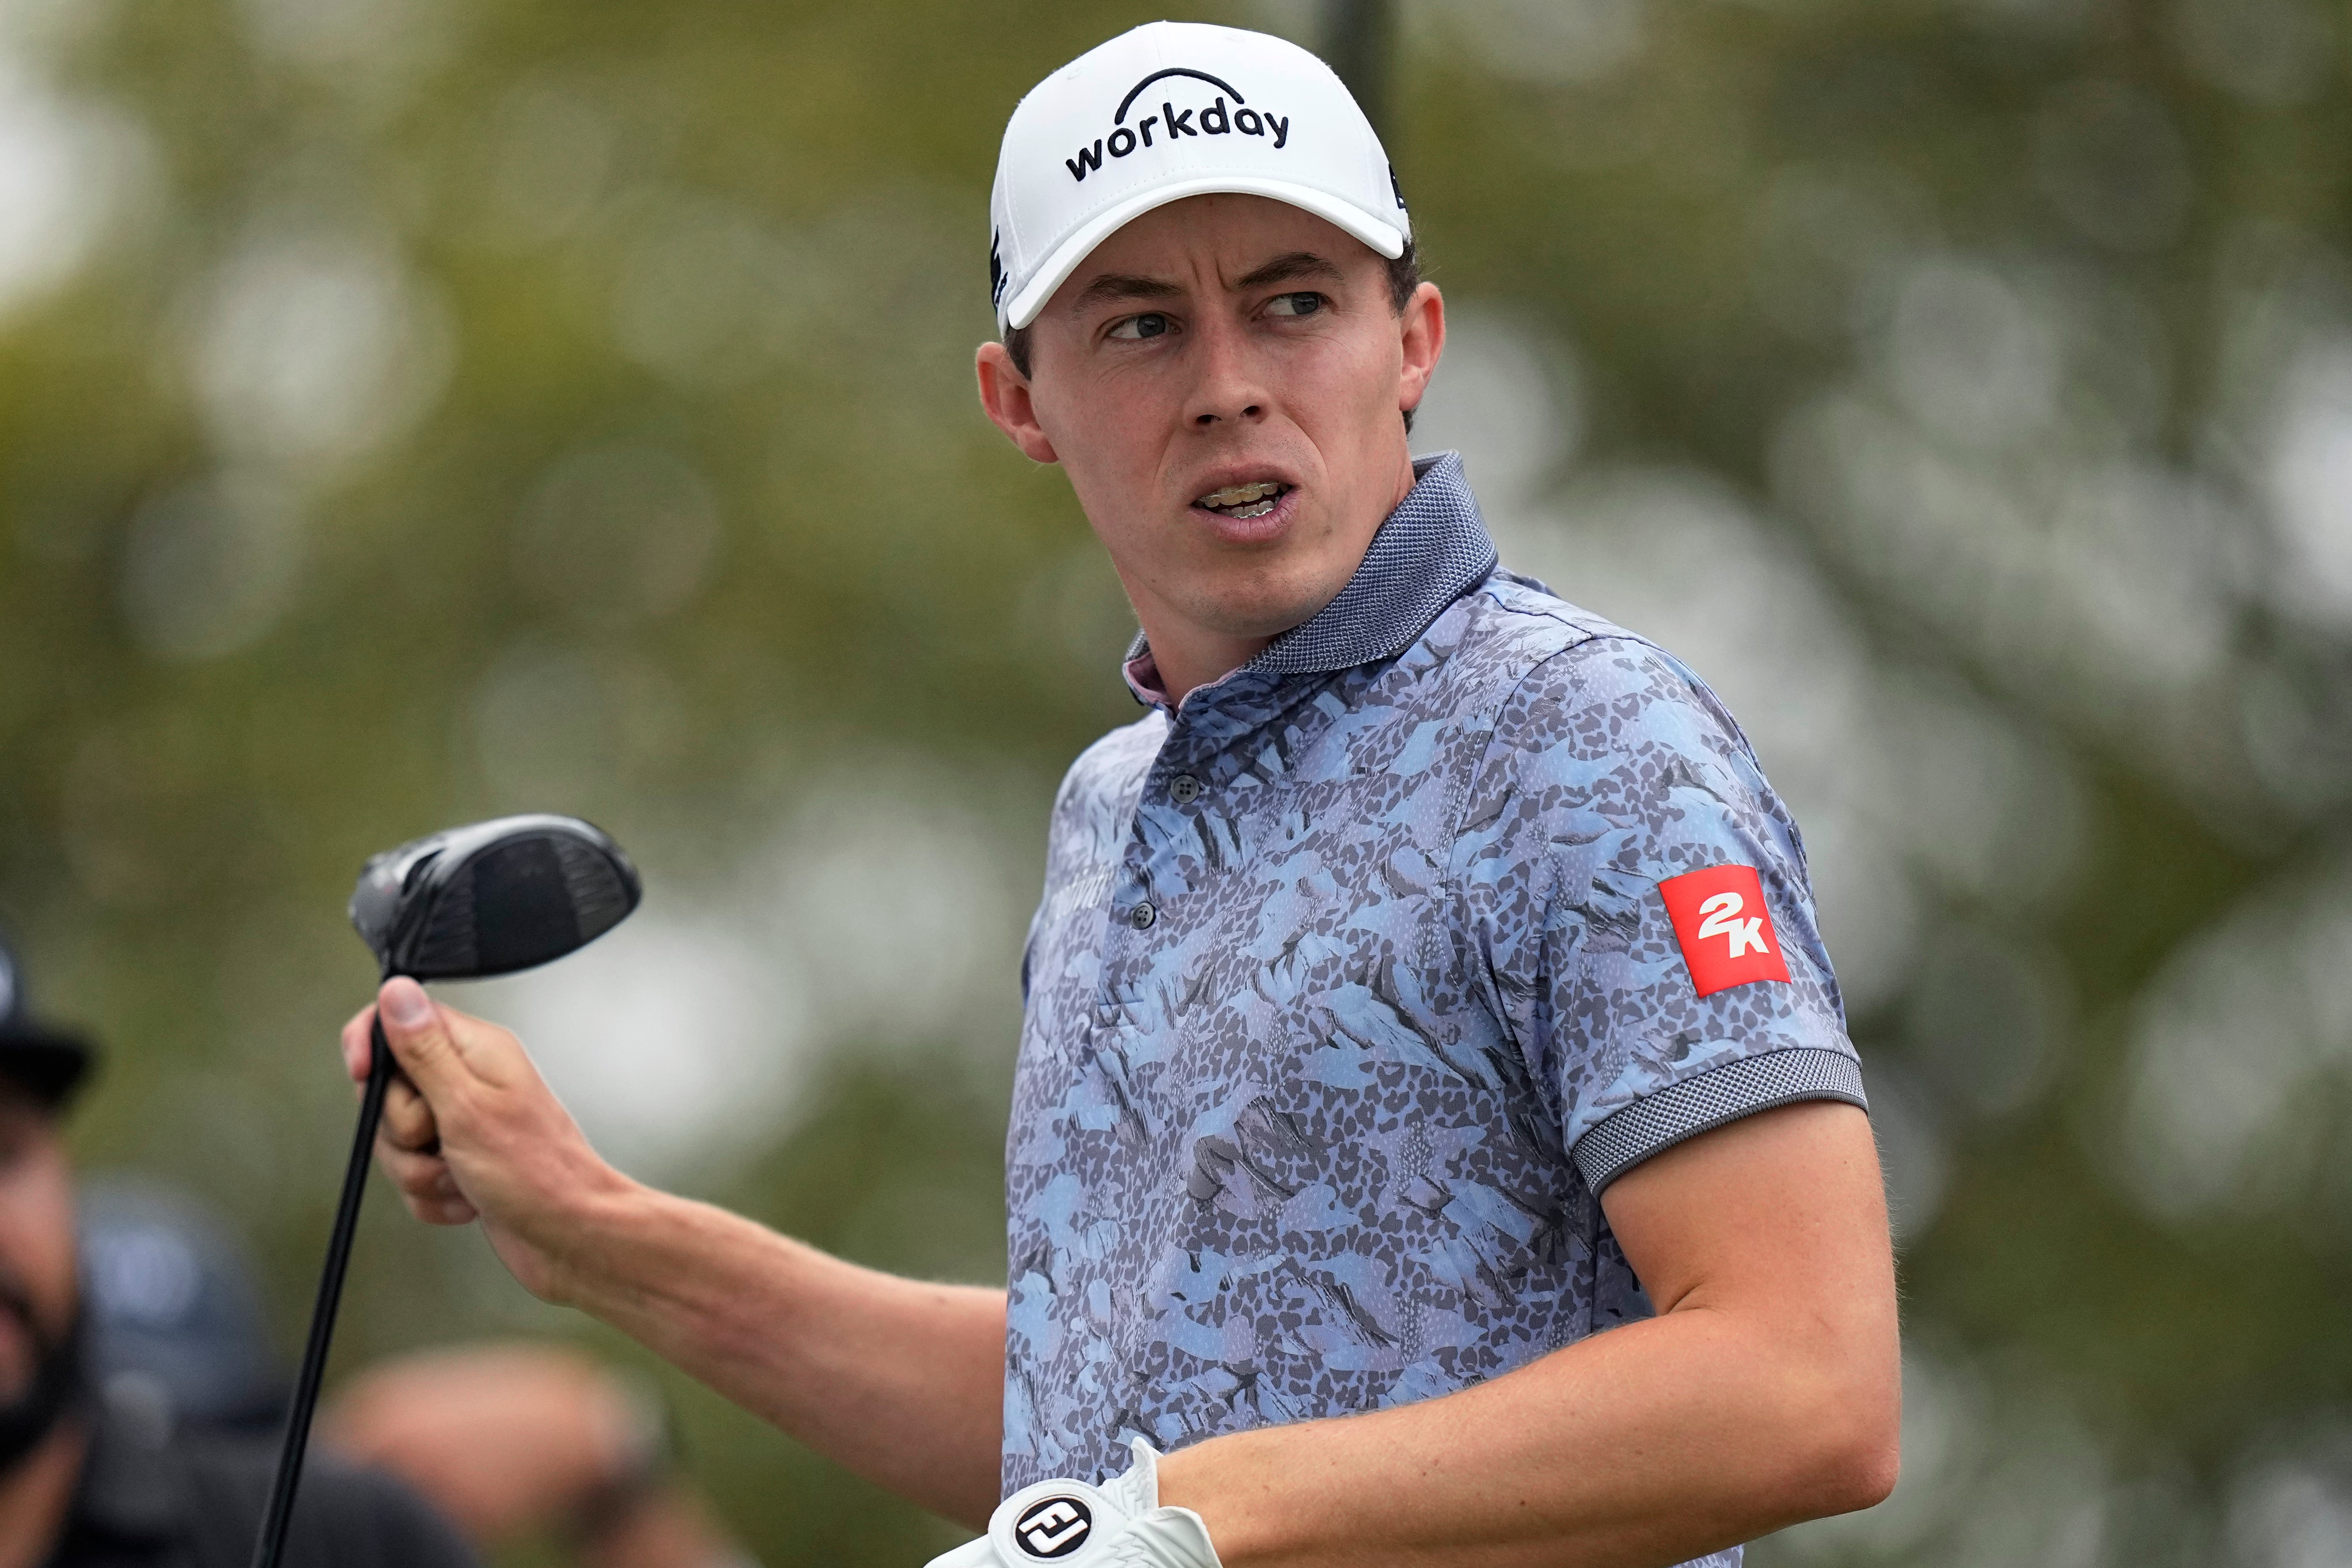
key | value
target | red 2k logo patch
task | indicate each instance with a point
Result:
(1725, 929)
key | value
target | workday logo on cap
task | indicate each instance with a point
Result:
(1125, 140)
(1169, 110)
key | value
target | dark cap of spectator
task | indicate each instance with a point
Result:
(45, 1061)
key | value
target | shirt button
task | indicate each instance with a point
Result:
(1185, 788)
(1141, 916)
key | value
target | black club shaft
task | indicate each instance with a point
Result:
(272, 1542)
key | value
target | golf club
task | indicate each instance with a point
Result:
(466, 904)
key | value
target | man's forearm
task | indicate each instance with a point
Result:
(902, 1382)
(898, 1380)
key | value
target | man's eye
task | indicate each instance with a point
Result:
(1295, 304)
(1150, 324)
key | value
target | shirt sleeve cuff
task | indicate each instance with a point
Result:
(1715, 1097)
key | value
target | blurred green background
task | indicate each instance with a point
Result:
(412, 410)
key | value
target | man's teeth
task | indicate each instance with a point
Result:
(1243, 500)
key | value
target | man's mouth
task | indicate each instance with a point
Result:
(1244, 500)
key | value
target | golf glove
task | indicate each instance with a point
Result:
(1069, 1524)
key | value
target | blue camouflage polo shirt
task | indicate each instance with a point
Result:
(1352, 988)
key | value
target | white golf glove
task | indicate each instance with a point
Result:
(1069, 1524)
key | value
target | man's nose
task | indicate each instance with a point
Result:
(1231, 389)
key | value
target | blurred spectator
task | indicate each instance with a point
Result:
(516, 1440)
(509, 1441)
(175, 1319)
(102, 1476)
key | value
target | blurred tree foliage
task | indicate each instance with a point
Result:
(411, 410)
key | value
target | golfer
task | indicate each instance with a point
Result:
(1425, 983)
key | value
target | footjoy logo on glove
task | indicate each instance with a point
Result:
(1171, 124)
(1055, 1527)
(1725, 929)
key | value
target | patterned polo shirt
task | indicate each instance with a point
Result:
(1354, 987)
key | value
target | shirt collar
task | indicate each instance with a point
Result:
(1431, 550)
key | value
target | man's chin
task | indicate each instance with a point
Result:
(1262, 602)
(1252, 617)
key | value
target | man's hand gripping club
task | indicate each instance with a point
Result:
(472, 1131)
(902, 1380)
(1070, 1524)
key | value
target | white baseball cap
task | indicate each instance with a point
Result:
(1169, 110)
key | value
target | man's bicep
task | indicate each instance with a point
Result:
(1783, 1211)
(1763, 1245)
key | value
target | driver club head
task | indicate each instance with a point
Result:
(493, 898)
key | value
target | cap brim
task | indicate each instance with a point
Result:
(48, 1064)
(1385, 238)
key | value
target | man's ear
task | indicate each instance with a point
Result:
(1423, 327)
(1004, 395)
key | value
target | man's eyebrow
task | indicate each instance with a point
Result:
(1115, 286)
(1288, 267)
